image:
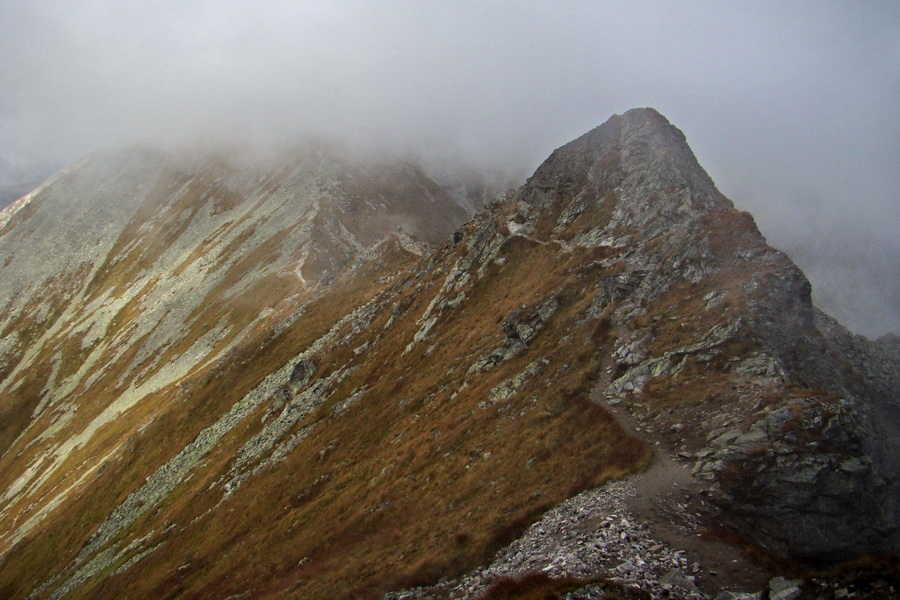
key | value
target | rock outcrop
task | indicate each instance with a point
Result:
(811, 473)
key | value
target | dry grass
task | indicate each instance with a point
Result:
(160, 221)
(420, 479)
(416, 483)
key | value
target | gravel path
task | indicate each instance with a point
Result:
(646, 531)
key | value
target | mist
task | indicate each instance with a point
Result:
(792, 107)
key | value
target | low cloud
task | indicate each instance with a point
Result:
(793, 108)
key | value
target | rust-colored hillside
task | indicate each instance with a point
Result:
(319, 380)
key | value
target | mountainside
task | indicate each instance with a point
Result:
(9, 193)
(315, 380)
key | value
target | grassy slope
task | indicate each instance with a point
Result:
(422, 477)
(413, 482)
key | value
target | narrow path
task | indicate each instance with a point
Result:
(667, 498)
(298, 271)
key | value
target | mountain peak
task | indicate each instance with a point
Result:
(639, 165)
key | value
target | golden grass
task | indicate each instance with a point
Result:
(213, 393)
(416, 481)
(441, 501)
(158, 223)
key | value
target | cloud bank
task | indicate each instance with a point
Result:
(792, 107)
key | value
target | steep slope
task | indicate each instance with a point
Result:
(11, 192)
(127, 272)
(197, 251)
(297, 405)
(352, 443)
(717, 335)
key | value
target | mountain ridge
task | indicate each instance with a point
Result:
(373, 396)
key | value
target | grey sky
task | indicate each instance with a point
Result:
(793, 107)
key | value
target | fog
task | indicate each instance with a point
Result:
(792, 107)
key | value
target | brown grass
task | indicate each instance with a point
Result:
(416, 481)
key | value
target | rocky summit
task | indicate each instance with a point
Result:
(319, 376)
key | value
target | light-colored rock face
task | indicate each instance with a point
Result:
(127, 271)
(268, 374)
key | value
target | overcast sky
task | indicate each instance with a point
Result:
(793, 107)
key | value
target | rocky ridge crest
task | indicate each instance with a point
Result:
(362, 437)
(809, 474)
